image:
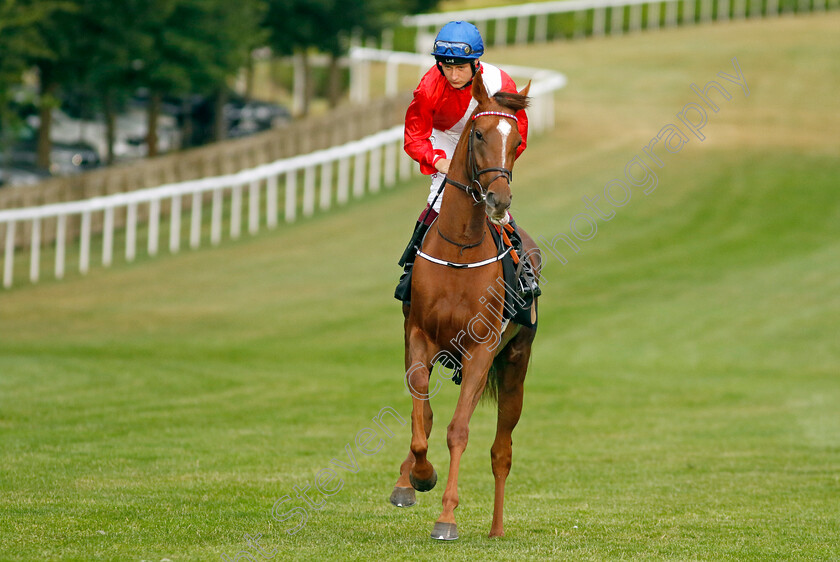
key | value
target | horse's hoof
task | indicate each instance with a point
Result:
(403, 497)
(423, 485)
(445, 531)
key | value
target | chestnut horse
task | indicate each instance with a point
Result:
(451, 304)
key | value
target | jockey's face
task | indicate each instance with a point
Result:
(457, 74)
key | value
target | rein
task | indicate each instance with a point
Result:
(479, 194)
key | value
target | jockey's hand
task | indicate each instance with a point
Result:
(442, 165)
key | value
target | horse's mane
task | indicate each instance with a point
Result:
(511, 100)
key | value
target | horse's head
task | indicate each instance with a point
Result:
(494, 138)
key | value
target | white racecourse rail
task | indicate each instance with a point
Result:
(376, 159)
(589, 17)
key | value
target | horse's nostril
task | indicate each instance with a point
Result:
(490, 199)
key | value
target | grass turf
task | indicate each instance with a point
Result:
(682, 400)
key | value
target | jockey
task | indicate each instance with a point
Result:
(433, 124)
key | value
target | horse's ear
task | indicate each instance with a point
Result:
(524, 91)
(479, 90)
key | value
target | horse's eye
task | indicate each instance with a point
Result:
(479, 136)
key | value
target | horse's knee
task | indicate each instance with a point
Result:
(418, 381)
(457, 435)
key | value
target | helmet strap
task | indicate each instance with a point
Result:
(474, 66)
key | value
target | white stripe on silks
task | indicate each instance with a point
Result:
(463, 265)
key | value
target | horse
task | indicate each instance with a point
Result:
(450, 301)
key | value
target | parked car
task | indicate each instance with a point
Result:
(65, 158)
(246, 117)
(18, 175)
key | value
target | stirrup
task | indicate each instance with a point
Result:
(527, 283)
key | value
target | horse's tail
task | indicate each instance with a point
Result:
(491, 387)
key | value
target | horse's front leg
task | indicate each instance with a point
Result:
(416, 472)
(472, 385)
(403, 494)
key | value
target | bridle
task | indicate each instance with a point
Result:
(478, 196)
(480, 193)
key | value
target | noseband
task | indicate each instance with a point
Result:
(480, 193)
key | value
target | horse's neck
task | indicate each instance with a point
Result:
(460, 219)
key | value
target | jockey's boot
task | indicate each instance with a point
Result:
(527, 283)
(403, 290)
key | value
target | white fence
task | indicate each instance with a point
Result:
(326, 177)
(369, 169)
(543, 21)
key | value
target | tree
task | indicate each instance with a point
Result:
(194, 46)
(21, 42)
(295, 26)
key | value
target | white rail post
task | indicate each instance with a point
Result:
(359, 175)
(654, 14)
(388, 39)
(195, 220)
(522, 30)
(254, 207)
(291, 195)
(216, 216)
(635, 18)
(500, 33)
(688, 12)
(236, 212)
(84, 253)
(392, 70)
(705, 11)
(9, 263)
(364, 93)
(616, 20)
(175, 225)
(309, 191)
(354, 78)
(599, 17)
(35, 251)
(579, 24)
(671, 14)
(541, 28)
(375, 173)
(108, 237)
(405, 163)
(481, 25)
(326, 185)
(299, 84)
(343, 189)
(271, 202)
(131, 232)
(60, 245)
(154, 225)
(390, 164)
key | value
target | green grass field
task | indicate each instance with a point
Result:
(682, 401)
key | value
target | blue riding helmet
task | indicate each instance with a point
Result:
(458, 42)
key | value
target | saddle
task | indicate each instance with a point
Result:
(516, 308)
